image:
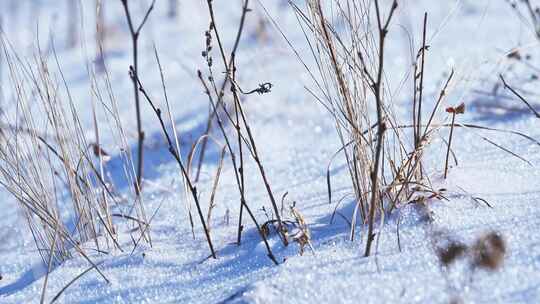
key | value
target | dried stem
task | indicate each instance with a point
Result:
(227, 66)
(506, 85)
(255, 155)
(135, 33)
(176, 156)
(421, 88)
(237, 173)
(381, 126)
(449, 145)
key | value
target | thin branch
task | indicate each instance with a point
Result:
(135, 52)
(506, 85)
(381, 126)
(176, 156)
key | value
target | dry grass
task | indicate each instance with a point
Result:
(384, 167)
(39, 169)
(55, 172)
(384, 163)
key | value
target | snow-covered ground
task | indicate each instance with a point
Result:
(296, 139)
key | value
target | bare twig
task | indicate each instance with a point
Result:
(227, 65)
(449, 144)
(377, 85)
(135, 32)
(506, 85)
(176, 156)
(238, 175)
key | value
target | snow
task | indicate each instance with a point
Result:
(296, 139)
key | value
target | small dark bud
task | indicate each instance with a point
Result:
(515, 54)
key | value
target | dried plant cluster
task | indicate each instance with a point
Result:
(58, 164)
(348, 41)
(240, 145)
(385, 168)
(50, 161)
(57, 175)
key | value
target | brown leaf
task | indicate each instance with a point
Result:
(460, 109)
(489, 251)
